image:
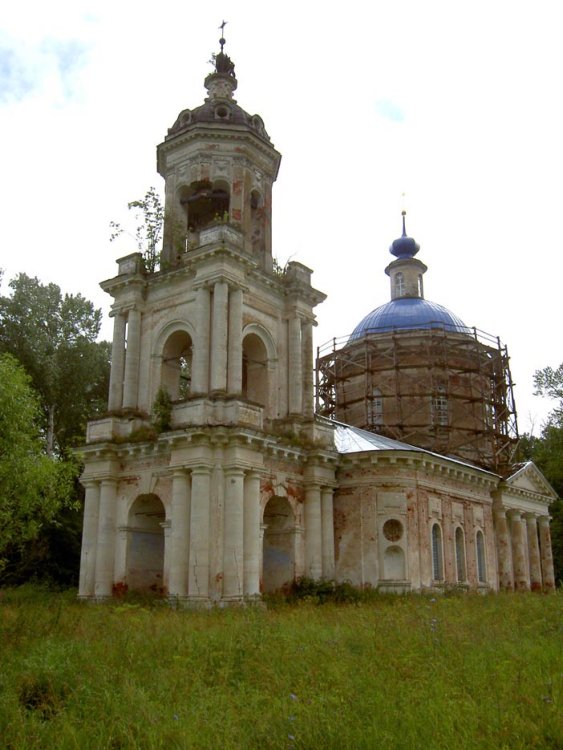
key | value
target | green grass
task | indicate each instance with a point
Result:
(388, 672)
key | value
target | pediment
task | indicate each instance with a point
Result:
(528, 478)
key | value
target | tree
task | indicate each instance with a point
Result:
(33, 486)
(549, 382)
(547, 452)
(54, 337)
(148, 231)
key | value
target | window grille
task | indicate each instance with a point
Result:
(440, 407)
(460, 555)
(481, 561)
(375, 407)
(399, 284)
(437, 558)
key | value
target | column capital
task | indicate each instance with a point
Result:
(544, 521)
(234, 471)
(105, 481)
(530, 517)
(514, 514)
(200, 469)
(91, 482)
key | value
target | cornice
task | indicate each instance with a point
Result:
(235, 133)
(418, 461)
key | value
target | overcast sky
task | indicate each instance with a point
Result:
(456, 105)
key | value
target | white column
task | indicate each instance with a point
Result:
(519, 562)
(233, 530)
(295, 366)
(89, 539)
(327, 516)
(252, 535)
(234, 375)
(200, 365)
(313, 532)
(132, 353)
(504, 551)
(166, 527)
(219, 330)
(546, 555)
(198, 578)
(179, 534)
(308, 370)
(117, 363)
(105, 550)
(533, 552)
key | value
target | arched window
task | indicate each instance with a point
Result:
(375, 408)
(437, 554)
(399, 284)
(254, 370)
(460, 555)
(176, 369)
(420, 286)
(440, 407)
(481, 561)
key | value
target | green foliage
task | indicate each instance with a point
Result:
(33, 486)
(54, 337)
(547, 452)
(395, 672)
(326, 590)
(149, 219)
(162, 410)
(549, 382)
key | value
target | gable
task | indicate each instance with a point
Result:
(529, 479)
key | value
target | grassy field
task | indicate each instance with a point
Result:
(393, 672)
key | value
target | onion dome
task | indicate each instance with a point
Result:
(407, 313)
(404, 247)
(219, 107)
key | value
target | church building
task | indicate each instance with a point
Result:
(220, 472)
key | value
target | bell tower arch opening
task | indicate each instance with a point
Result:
(278, 552)
(145, 544)
(204, 202)
(176, 368)
(254, 370)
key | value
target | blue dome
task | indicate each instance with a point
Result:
(408, 313)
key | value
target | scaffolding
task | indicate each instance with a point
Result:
(445, 389)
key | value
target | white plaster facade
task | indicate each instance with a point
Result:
(246, 489)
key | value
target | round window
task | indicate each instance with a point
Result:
(393, 530)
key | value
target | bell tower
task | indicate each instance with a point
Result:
(210, 427)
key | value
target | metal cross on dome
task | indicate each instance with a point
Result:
(222, 40)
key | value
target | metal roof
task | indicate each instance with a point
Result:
(348, 439)
(407, 313)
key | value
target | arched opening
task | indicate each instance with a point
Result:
(204, 202)
(278, 566)
(481, 560)
(254, 370)
(460, 555)
(394, 564)
(176, 370)
(437, 554)
(145, 544)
